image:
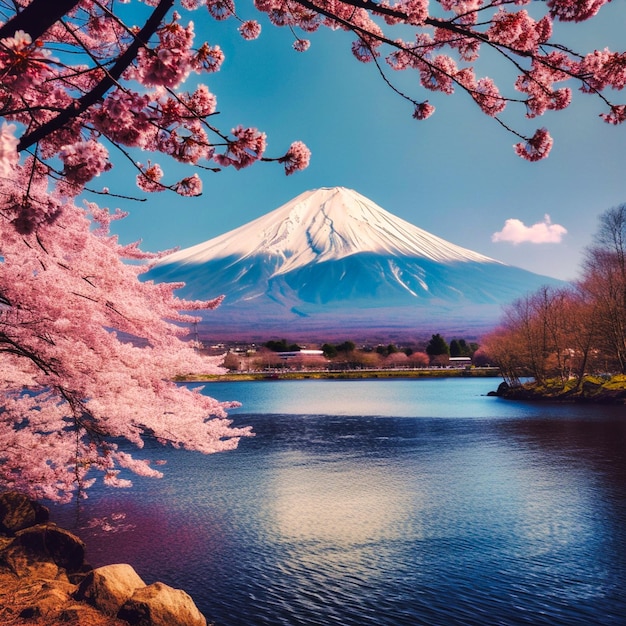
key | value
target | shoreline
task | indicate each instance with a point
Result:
(365, 374)
(592, 390)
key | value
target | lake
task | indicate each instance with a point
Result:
(383, 502)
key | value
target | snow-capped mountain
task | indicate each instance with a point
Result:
(333, 258)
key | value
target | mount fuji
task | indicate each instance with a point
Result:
(331, 263)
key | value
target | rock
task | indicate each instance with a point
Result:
(47, 597)
(43, 570)
(79, 575)
(109, 587)
(82, 614)
(45, 543)
(503, 388)
(18, 511)
(161, 605)
(44, 578)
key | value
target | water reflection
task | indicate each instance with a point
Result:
(510, 514)
(337, 504)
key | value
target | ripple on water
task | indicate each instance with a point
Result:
(505, 516)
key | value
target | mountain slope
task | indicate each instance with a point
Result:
(331, 257)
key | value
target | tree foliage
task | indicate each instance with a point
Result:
(569, 332)
(460, 347)
(281, 345)
(84, 71)
(88, 354)
(604, 280)
(329, 350)
(437, 346)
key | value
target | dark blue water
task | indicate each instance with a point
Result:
(384, 503)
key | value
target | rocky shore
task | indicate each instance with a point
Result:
(45, 580)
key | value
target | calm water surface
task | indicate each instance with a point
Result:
(384, 503)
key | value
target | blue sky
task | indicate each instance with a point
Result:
(454, 175)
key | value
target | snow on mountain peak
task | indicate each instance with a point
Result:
(326, 224)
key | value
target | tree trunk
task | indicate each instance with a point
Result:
(37, 17)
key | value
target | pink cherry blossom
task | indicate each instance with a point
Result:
(487, 96)
(538, 83)
(604, 69)
(250, 29)
(468, 47)
(67, 293)
(84, 160)
(221, 9)
(575, 10)
(301, 45)
(149, 178)
(124, 117)
(202, 102)
(247, 148)
(537, 147)
(437, 75)
(190, 186)
(416, 11)
(362, 51)
(517, 30)
(423, 110)
(296, 159)
(8, 149)
(616, 116)
(207, 58)
(168, 64)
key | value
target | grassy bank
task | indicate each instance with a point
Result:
(478, 372)
(594, 389)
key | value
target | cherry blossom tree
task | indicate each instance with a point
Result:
(88, 354)
(88, 351)
(83, 70)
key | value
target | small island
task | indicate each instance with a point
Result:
(590, 389)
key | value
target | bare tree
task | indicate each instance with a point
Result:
(604, 281)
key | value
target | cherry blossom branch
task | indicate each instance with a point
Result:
(89, 99)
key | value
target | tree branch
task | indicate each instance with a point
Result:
(37, 17)
(89, 99)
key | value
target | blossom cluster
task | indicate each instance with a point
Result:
(144, 105)
(537, 147)
(297, 158)
(70, 305)
(154, 117)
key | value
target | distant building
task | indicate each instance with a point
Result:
(460, 361)
(300, 353)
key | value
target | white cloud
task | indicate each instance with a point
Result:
(515, 231)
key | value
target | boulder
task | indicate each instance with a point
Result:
(109, 587)
(161, 605)
(503, 389)
(83, 614)
(36, 570)
(46, 597)
(45, 543)
(18, 511)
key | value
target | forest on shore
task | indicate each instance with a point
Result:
(572, 340)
